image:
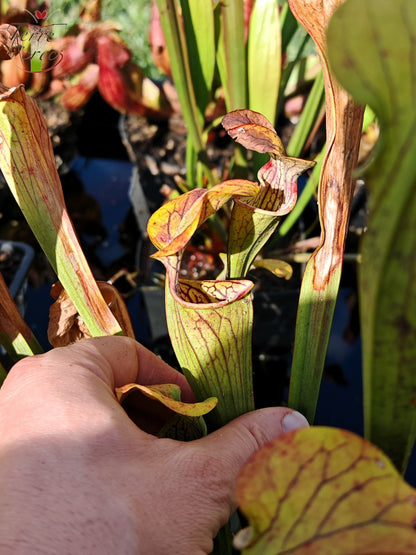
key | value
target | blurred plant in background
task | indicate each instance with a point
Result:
(93, 54)
(132, 18)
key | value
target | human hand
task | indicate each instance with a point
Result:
(78, 476)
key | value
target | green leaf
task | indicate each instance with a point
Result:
(318, 491)
(209, 321)
(184, 428)
(279, 268)
(264, 58)
(253, 223)
(254, 219)
(15, 335)
(171, 227)
(210, 325)
(173, 32)
(377, 65)
(231, 54)
(321, 279)
(289, 25)
(232, 65)
(28, 164)
(304, 198)
(309, 117)
(3, 374)
(198, 16)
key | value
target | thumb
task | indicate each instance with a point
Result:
(237, 441)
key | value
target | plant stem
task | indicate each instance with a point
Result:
(231, 60)
(15, 335)
(178, 55)
(223, 542)
(3, 374)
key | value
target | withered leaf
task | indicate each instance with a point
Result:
(65, 324)
(253, 131)
(324, 490)
(168, 395)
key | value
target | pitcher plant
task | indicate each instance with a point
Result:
(210, 322)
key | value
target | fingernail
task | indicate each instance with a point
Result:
(293, 421)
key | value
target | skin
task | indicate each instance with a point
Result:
(78, 476)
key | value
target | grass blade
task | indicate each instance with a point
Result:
(198, 17)
(264, 58)
(181, 72)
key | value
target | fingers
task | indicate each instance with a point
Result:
(246, 434)
(115, 360)
(236, 442)
(80, 380)
(153, 370)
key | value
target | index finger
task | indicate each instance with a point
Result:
(117, 361)
(130, 362)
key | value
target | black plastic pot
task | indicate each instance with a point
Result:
(15, 261)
